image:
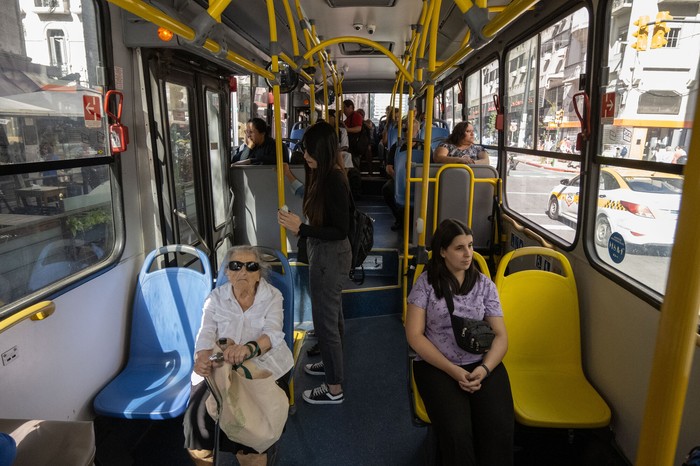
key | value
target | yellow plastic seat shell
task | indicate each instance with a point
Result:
(541, 315)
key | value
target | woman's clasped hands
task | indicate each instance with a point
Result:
(468, 381)
(232, 354)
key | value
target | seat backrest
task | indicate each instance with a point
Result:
(400, 173)
(540, 310)
(454, 195)
(392, 135)
(167, 310)
(281, 278)
(438, 134)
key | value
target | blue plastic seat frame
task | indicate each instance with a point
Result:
(282, 281)
(167, 313)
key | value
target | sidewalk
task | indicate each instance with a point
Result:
(548, 163)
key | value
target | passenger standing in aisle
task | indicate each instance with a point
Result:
(327, 208)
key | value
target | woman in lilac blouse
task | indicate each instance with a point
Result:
(467, 396)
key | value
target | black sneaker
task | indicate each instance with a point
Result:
(313, 351)
(311, 333)
(322, 396)
(315, 368)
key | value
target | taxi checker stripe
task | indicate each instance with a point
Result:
(614, 205)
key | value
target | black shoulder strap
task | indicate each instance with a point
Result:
(450, 302)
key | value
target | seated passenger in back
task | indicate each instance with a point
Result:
(262, 145)
(467, 396)
(248, 313)
(389, 187)
(460, 147)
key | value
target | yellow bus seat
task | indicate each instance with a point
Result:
(420, 415)
(541, 315)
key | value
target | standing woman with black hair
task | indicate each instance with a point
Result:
(467, 396)
(327, 208)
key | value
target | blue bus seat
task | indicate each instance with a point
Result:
(167, 313)
(296, 133)
(438, 134)
(541, 313)
(392, 135)
(420, 414)
(400, 173)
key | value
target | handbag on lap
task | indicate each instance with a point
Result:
(251, 409)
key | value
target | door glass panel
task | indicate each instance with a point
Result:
(177, 101)
(217, 157)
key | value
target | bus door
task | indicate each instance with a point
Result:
(191, 111)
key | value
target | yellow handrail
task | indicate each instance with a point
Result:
(361, 40)
(38, 311)
(677, 335)
(216, 7)
(161, 19)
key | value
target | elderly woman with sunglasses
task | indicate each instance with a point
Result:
(247, 312)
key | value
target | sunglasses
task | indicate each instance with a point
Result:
(235, 266)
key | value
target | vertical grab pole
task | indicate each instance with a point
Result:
(421, 35)
(677, 334)
(429, 96)
(274, 47)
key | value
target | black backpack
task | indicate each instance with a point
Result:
(361, 236)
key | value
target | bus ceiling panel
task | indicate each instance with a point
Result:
(141, 33)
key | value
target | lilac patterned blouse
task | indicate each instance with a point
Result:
(482, 301)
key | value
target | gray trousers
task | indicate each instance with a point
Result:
(329, 265)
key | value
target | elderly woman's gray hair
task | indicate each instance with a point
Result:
(235, 250)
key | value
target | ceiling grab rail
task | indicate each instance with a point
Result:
(159, 18)
(677, 334)
(512, 12)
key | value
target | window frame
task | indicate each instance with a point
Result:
(505, 150)
(112, 164)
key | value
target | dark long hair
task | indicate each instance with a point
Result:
(457, 132)
(321, 143)
(442, 280)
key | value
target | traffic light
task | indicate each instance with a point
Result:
(642, 33)
(659, 40)
(559, 116)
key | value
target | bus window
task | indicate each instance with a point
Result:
(647, 111)
(57, 221)
(542, 76)
(482, 86)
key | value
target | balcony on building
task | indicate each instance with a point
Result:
(52, 7)
(620, 7)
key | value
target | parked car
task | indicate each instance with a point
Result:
(640, 205)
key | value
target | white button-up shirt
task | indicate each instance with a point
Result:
(224, 318)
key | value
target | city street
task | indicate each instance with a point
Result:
(527, 190)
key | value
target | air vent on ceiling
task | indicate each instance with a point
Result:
(356, 3)
(351, 48)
